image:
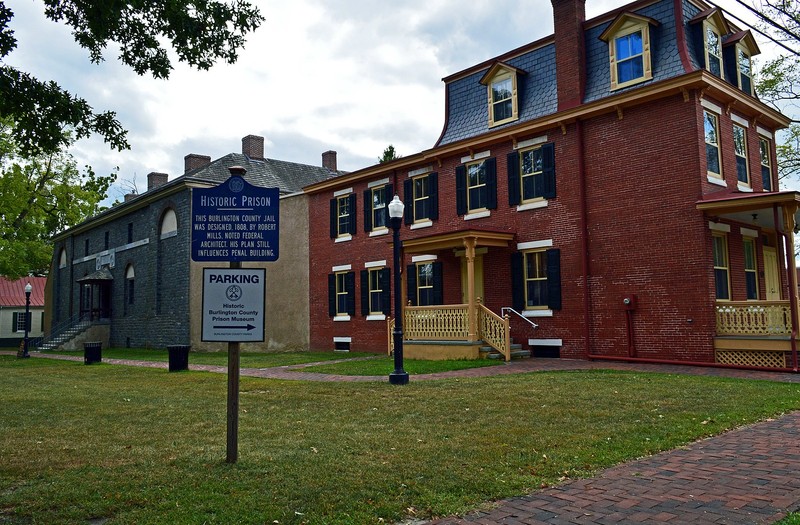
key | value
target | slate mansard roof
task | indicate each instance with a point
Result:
(466, 97)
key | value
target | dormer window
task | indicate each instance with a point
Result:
(628, 39)
(744, 70)
(738, 49)
(713, 26)
(501, 84)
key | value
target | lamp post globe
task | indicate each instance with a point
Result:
(399, 376)
(28, 290)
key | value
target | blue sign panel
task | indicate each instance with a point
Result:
(235, 221)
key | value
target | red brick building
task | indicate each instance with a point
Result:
(610, 188)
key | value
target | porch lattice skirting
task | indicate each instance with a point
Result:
(760, 358)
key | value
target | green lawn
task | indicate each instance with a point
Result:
(791, 519)
(384, 364)
(138, 446)
(248, 359)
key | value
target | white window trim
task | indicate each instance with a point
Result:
(423, 258)
(477, 215)
(719, 227)
(383, 230)
(534, 245)
(376, 317)
(747, 232)
(342, 339)
(742, 187)
(545, 342)
(711, 106)
(344, 238)
(342, 317)
(345, 191)
(537, 313)
(422, 224)
(376, 183)
(716, 180)
(531, 142)
(763, 132)
(419, 171)
(543, 203)
(375, 264)
(477, 156)
(342, 268)
(740, 120)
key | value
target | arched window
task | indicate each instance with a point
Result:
(129, 284)
(169, 224)
(62, 258)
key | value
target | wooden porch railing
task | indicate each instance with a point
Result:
(495, 330)
(754, 318)
(436, 323)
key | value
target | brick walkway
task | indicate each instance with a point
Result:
(746, 476)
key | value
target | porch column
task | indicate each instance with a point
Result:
(472, 310)
(791, 268)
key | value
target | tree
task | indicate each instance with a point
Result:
(388, 154)
(40, 197)
(46, 118)
(778, 83)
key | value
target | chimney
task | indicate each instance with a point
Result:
(253, 147)
(130, 196)
(568, 18)
(329, 160)
(154, 180)
(192, 161)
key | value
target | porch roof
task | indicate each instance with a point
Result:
(457, 239)
(100, 276)
(748, 207)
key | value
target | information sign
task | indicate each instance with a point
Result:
(233, 304)
(235, 222)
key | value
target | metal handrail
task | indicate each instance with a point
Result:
(508, 308)
(56, 331)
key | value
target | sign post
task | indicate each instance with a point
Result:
(234, 222)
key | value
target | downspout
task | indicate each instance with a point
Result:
(791, 272)
(587, 333)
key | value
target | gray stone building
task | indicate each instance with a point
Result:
(125, 276)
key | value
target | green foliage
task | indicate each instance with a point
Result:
(388, 154)
(39, 197)
(47, 118)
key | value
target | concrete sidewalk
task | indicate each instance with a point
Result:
(750, 475)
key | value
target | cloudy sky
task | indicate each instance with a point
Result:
(349, 75)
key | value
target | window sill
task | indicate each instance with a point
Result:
(537, 313)
(741, 187)
(493, 124)
(533, 205)
(716, 180)
(422, 224)
(477, 215)
(341, 318)
(376, 317)
(344, 238)
(378, 233)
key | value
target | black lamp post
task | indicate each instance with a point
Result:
(28, 289)
(399, 376)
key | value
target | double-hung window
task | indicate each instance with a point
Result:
(711, 127)
(501, 84)
(766, 165)
(721, 267)
(341, 294)
(536, 279)
(376, 293)
(425, 283)
(343, 215)
(750, 268)
(744, 70)
(630, 57)
(421, 197)
(476, 186)
(502, 102)
(19, 321)
(740, 148)
(376, 211)
(531, 174)
(628, 38)
(713, 49)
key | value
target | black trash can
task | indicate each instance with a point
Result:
(178, 357)
(92, 352)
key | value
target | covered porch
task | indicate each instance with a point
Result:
(760, 331)
(459, 330)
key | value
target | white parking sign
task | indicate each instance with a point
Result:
(233, 304)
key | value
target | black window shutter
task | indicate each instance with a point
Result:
(491, 183)
(411, 283)
(365, 292)
(433, 195)
(385, 277)
(513, 178)
(389, 192)
(332, 294)
(438, 285)
(408, 201)
(350, 288)
(554, 279)
(14, 322)
(334, 220)
(367, 210)
(353, 214)
(549, 170)
(517, 281)
(461, 190)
